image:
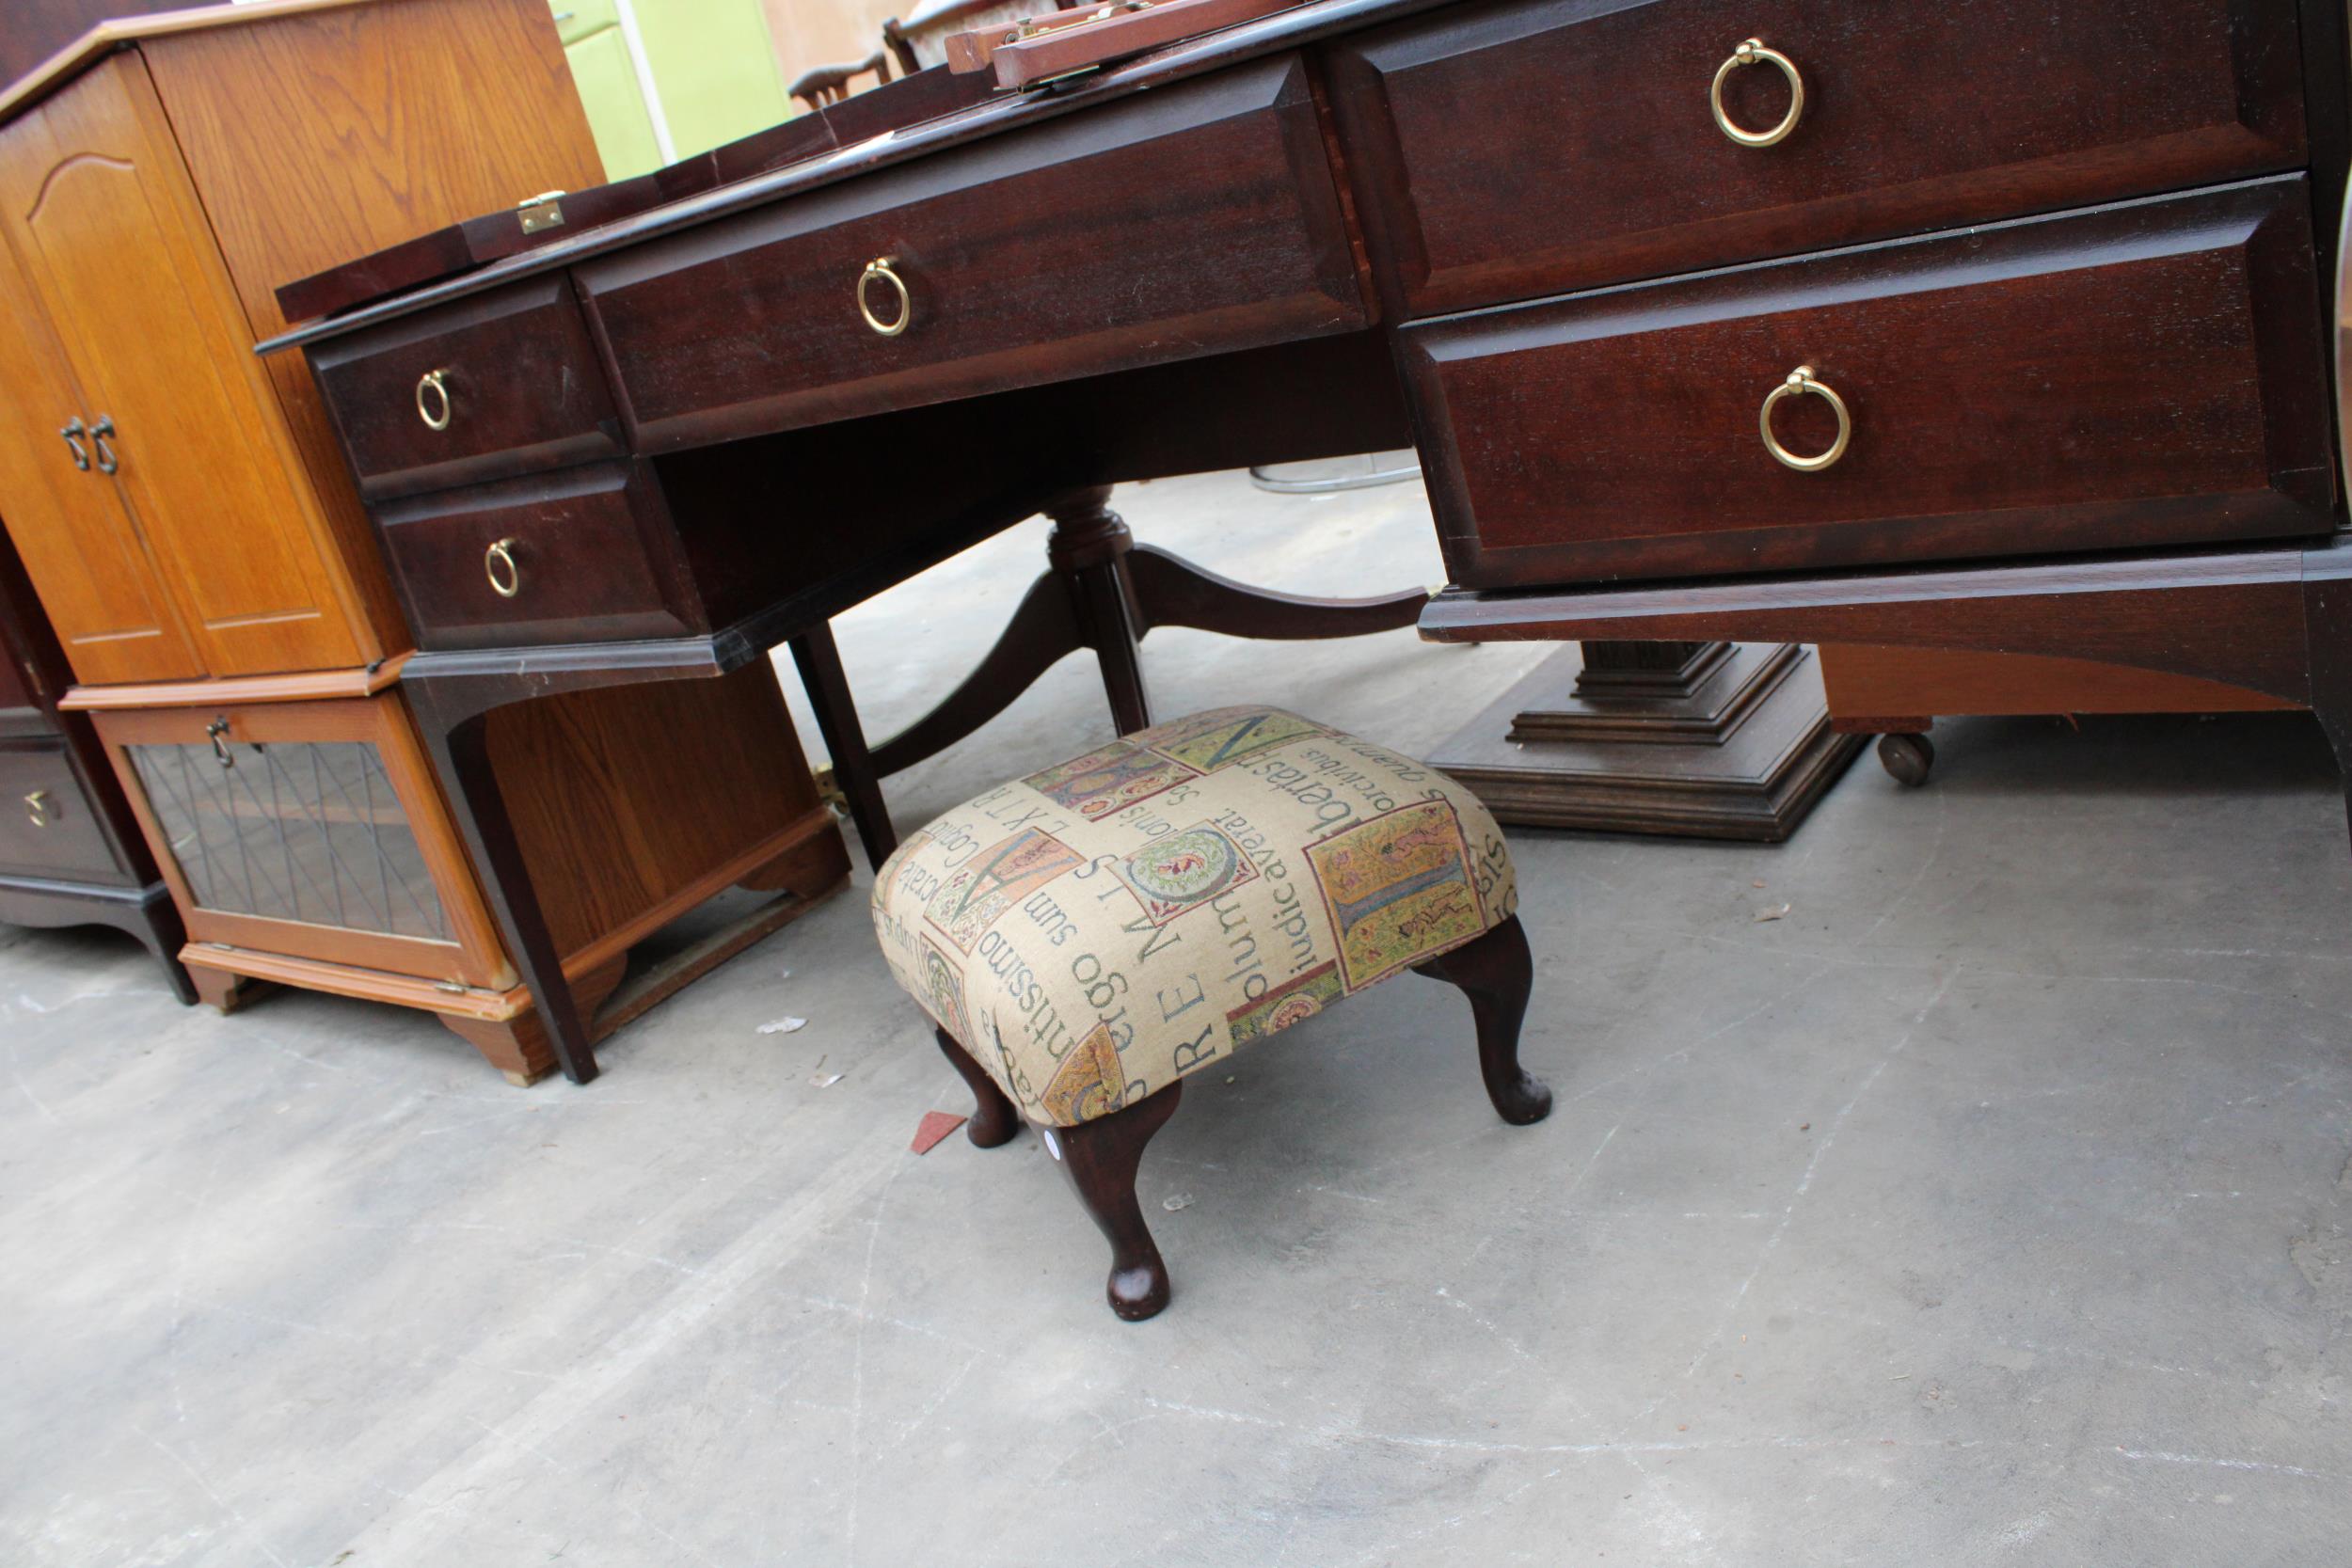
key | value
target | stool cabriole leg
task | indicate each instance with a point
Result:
(993, 1119)
(1100, 1158)
(1496, 971)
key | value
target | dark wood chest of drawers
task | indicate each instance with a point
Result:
(69, 850)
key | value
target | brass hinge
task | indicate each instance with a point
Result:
(541, 212)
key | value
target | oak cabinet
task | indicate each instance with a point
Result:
(198, 520)
(198, 545)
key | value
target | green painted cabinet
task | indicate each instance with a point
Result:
(665, 79)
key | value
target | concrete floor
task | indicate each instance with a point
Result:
(1991, 1207)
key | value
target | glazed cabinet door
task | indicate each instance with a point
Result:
(307, 829)
(117, 252)
(95, 578)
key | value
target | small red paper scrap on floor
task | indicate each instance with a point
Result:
(935, 1126)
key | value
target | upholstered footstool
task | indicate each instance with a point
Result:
(1087, 937)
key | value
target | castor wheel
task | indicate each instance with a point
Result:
(1908, 757)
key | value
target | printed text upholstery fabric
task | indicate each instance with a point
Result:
(1098, 929)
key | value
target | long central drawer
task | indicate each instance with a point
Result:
(1195, 220)
(2145, 373)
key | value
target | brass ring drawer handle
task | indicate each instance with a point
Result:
(433, 402)
(37, 807)
(1753, 51)
(502, 555)
(1800, 380)
(881, 268)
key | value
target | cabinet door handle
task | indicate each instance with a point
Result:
(74, 430)
(882, 267)
(108, 461)
(1752, 52)
(37, 807)
(213, 732)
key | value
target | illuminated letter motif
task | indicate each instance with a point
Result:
(999, 877)
(1108, 779)
(1208, 741)
(1184, 870)
(1090, 1082)
(1284, 1005)
(1398, 888)
(943, 994)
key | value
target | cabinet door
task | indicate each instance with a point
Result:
(307, 829)
(117, 250)
(89, 565)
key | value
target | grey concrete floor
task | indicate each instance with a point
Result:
(1990, 1207)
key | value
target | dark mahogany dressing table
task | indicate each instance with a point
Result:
(2013, 337)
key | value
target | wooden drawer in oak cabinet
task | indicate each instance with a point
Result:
(1190, 220)
(506, 384)
(2138, 374)
(1511, 151)
(47, 828)
(585, 555)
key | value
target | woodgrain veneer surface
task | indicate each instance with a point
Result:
(2140, 374)
(1201, 219)
(1506, 150)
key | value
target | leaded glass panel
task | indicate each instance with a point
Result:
(303, 830)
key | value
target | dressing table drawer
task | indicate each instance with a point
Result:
(506, 384)
(1195, 219)
(2147, 374)
(1507, 151)
(581, 556)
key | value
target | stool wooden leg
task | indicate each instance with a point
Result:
(1496, 971)
(993, 1119)
(1100, 1157)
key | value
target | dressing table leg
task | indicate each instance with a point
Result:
(2328, 648)
(1087, 550)
(820, 661)
(456, 735)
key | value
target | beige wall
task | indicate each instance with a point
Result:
(810, 33)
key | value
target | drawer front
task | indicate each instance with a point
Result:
(1507, 152)
(1184, 222)
(2138, 374)
(518, 390)
(47, 828)
(581, 556)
